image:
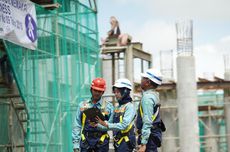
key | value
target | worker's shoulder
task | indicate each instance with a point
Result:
(84, 103)
(129, 105)
(150, 94)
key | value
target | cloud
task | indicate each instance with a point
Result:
(154, 26)
(125, 1)
(194, 9)
(225, 39)
(158, 36)
(204, 9)
(210, 57)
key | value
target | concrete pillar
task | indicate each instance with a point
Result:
(107, 69)
(129, 63)
(187, 104)
(227, 109)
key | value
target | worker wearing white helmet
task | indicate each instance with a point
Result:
(123, 120)
(123, 83)
(149, 124)
(154, 75)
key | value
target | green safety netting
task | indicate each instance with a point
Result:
(53, 78)
(212, 98)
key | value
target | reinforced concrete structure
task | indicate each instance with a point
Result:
(123, 62)
(186, 89)
(202, 103)
(50, 81)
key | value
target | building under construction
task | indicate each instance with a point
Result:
(195, 111)
(38, 107)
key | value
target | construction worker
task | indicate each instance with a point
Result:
(86, 137)
(149, 124)
(123, 119)
(115, 30)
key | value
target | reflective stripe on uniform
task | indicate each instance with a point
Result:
(130, 125)
(83, 125)
(126, 138)
(128, 128)
(102, 139)
(153, 116)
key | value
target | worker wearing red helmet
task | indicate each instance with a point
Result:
(86, 137)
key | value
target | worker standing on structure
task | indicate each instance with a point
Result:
(87, 138)
(123, 119)
(149, 124)
(115, 32)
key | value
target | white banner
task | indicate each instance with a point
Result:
(18, 23)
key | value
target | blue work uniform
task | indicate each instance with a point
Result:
(123, 127)
(87, 137)
(148, 121)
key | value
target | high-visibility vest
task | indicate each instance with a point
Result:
(118, 117)
(84, 118)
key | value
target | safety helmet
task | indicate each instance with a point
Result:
(154, 75)
(98, 84)
(123, 83)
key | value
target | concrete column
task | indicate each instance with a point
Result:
(227, 109)
(129, 63)
(107, 69)
(187, 104)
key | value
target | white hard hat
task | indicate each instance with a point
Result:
(123, 83)
(154, 75)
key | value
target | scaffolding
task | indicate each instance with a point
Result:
(212, 134)
(52, 79)
(126, 61)
(211, 106)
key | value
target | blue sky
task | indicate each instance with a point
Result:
(152, 22)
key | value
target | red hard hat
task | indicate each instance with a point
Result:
(98, 84)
